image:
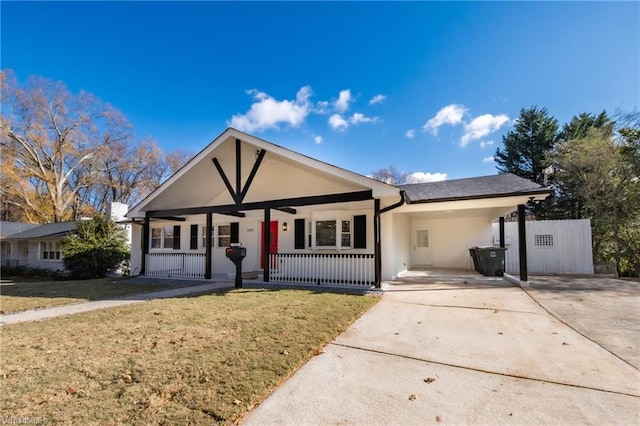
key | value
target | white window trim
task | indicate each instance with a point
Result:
(57, 248)
(162, 238)
(215, 235)
(338, 237)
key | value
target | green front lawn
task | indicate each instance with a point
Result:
(193, 360)
(16, 296)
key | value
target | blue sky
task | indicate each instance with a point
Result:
(428, 87)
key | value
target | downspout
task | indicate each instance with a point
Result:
(377, 235)
(396, 205)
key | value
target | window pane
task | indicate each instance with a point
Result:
(346, 226)
(422, 237)
(346, 240)
(156, 237)
(224, 235)
(168, 237)
(326, 233)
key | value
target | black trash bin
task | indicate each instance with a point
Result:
(490, 261)
(473, 252)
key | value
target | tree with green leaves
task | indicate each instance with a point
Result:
(600, 169)
(525, 147)
(98, 246)
(567, 201)
(534, 133)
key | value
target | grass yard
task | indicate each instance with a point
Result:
(194, 360)
(16, 296)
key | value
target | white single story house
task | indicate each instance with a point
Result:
(324, 224)
(40, 245)
(35, 246)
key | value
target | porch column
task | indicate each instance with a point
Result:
(377, 243)
(522, 243)
(501, 227)
(145, 245)
(207, 249)
(266, 244)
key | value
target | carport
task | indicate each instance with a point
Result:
(440, 221)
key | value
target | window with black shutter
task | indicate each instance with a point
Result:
(360, 232)
(176, 237)
(193, 237)
(299, 231)
(235, 232)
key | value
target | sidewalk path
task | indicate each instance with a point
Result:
(40, 314)
(467, 353)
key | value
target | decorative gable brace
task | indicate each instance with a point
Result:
(239, 193)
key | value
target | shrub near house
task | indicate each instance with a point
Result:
(98, 246)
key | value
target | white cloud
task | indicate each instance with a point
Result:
(338, 123)
(358, 118)
(268, 113)
(342, 103)
(318, 139)
(451, 114)
(485, 144)
(377, 99)
(419, 177)
(481, 126)
(488, 159)
(410, 133)
(322, 107)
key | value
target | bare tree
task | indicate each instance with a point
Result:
(390, 175)
(66, 155)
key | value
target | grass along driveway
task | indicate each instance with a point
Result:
(17, 296)
(195, 360)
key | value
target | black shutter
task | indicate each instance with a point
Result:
(235, 232)
(193, 240)
(176, 237)
(299, 231)
(360, 231)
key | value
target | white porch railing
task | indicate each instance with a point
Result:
(316, 268)
(175, 265)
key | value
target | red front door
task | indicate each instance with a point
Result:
(273, 247)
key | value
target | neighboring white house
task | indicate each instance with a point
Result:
(40, 246)
(325, 225)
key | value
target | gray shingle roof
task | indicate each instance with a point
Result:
(9, 228)
(501, 185)
(48, 230)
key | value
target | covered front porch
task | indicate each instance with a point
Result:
(300, 220)
(293, 268)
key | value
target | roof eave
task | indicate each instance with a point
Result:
(480, 197)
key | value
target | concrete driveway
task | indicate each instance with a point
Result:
(459, 349)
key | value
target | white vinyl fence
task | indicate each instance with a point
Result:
(553, 246)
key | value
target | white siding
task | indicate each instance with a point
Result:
(564, 246)
(451, 239)
(396, 250)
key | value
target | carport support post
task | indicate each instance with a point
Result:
(522, 243)
(501, 228)
(266, 244)
(207, 249)
(145, 245)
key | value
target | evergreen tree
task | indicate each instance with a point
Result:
(525, 146)
(98, 246)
